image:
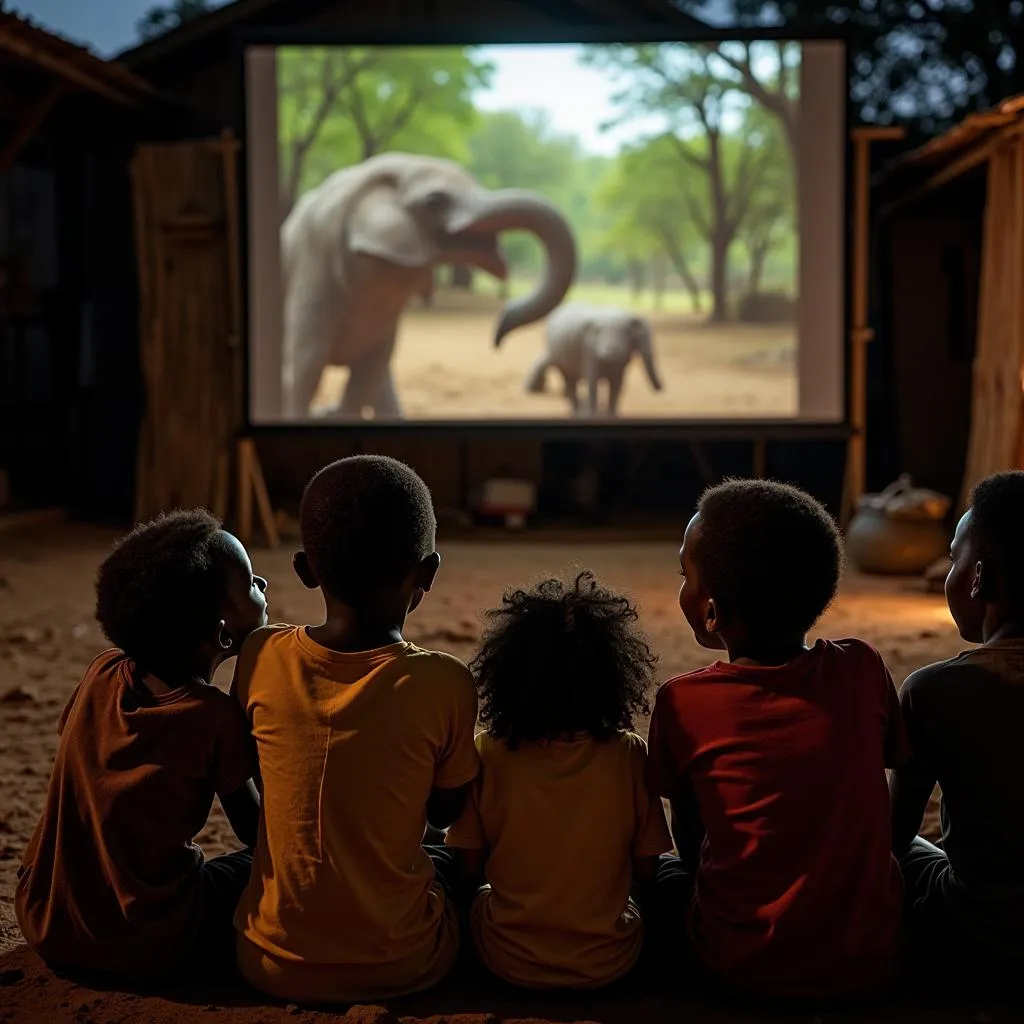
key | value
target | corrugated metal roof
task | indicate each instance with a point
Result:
(21, 38)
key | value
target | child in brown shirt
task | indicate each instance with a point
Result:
(112, 880)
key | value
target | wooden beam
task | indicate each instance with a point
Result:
(30, 123)
(974, 157)
(860, 332)
(64, 69)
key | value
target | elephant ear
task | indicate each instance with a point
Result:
(380, 226)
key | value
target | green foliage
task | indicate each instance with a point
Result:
(712, 180)
(337, 107)
(161, 19)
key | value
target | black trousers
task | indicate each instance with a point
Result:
(938, 940)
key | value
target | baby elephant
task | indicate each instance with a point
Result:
(593, 343)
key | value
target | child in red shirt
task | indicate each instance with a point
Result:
(112, 881)
(774, 761)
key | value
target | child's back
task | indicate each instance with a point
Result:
(112, 880)
(797, 893)
(361, 737)
(344, 900)
(963, 719)
(560, 812)
(774, 762)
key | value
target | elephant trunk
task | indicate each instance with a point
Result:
(515, 210)
(646, 348)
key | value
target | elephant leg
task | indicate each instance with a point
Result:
(300, 380)
(592, 372)
(536, 379)
(305, 347)
(614, 377)
(571, 390)
(370, 386)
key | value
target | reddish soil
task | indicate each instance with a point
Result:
(47, 636)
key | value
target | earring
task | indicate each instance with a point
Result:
(225, 642)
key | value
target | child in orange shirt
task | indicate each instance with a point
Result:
(112, 881)
(560, 824)
(363, 738)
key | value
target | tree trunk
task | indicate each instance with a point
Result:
(637, 276)
(462, 277)
(719, 276)
(659, 276)
(758, 256)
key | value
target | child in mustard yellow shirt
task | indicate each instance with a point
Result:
(559, 822)
(362, 739)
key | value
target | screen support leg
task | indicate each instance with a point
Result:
(860, 334)
(252, 485)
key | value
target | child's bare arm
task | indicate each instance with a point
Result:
(242, 809)
(445, 805)
(910, 788)
(471, 867)
(686, 826)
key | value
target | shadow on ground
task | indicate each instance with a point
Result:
(31, 993)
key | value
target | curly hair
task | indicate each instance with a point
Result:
(561, 660)
(158, 591)
(997, 529)
(769, 553)
(366, 521)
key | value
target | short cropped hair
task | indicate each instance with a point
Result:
(562, 659)
(769, 553)
(366, 521)
(997, 529)
(158, 592)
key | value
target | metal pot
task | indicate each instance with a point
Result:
(881, 545)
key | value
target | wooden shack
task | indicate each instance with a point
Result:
(950, 312)
(69, 395)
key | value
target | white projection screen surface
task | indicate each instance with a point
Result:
(653, 239)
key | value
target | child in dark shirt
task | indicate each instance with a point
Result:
(963, 718)
(112, 881)
(774, 762)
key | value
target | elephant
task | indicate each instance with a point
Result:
(358, 247)
(593, 343)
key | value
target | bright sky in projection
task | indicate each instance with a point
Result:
(578, 99)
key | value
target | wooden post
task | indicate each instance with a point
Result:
(33, 120)
(860, 333)
(251, 484)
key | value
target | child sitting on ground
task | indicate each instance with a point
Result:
(112, 881)
(774, 762)
(560, 823)
(963, 718)
(363, 739)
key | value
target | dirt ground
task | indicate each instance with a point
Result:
(47, 636)
(446, 368)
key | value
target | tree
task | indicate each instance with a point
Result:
(159, 20)
(769, 73)
(920, 63)
(651, 207)
(771, 208)
(514, 149)
(691, 92)
(339, 106)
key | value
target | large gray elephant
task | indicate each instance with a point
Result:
(356, 249)
(593, 343)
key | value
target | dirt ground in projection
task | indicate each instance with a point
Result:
(47, 637)
(446, 367)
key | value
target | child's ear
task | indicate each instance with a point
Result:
(712, 620)
(224, 640)
(300, 563)
(979, 584)
(427, 571)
